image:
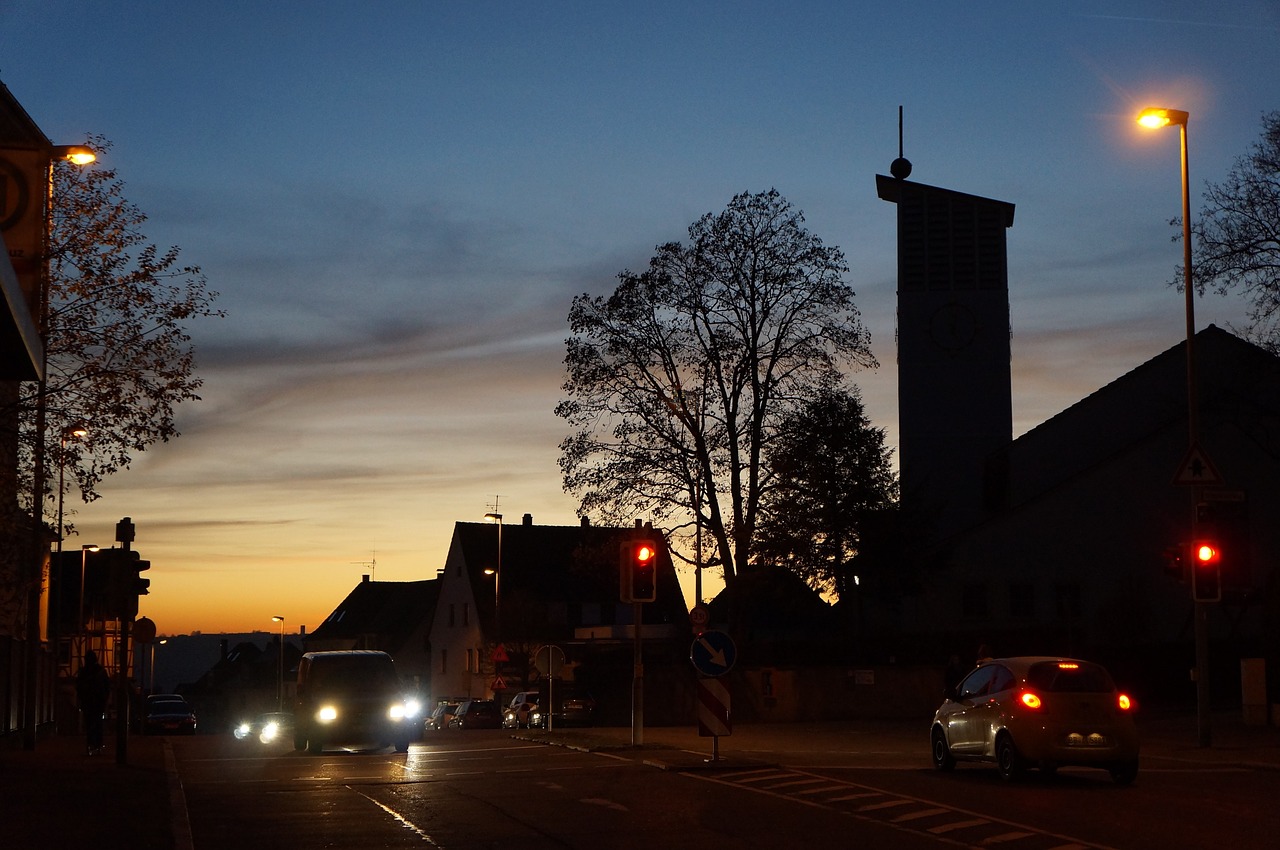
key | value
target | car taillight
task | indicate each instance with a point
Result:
(1030, 700)
(1124, 702)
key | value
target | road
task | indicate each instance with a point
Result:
(480, 789)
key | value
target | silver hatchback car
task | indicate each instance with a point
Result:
(1039, 712)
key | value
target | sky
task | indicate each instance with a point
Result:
(397, 202)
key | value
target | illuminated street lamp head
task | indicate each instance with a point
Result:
(75, 154)
(277, 619)
(1157, 118)
(492, 517)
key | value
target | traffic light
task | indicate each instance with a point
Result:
(1175, 562)
(124, 582)
(638, 571)
(1206, 570)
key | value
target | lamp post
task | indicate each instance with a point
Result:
(153, 662)
(79, 155)
(77, 431)
(56, 621)
(81, 627)
(493, 516)
(1156, 118)
(280, 684)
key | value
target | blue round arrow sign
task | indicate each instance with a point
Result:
(713, 653)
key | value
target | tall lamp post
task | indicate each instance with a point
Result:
(493, 516)
(1156, 118)
(280, 682)
(161, 642)
(81, 628)
(67, 433)
(78, 155)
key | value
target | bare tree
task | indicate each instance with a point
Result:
(119, 357)
(1237, 237)
(678, 382)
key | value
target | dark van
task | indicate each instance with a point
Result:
(352, 698)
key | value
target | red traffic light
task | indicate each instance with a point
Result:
(638, 571)
(1206, 579)
(1205, 553)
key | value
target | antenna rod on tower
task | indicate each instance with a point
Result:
(899, 130)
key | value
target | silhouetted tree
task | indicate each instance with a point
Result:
(680, 381)
(1236, 239)
(119, 358)
(831, 471)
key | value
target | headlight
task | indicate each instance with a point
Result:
(242, 731)
(327, 714)
(403, 710)
(269, 732)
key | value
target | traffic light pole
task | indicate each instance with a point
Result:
(637, 679)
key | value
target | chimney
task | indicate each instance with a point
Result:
(364, 579)
(528, 520)
(586, 521)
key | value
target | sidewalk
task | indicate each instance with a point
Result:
(56, 796)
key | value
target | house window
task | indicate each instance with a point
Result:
(973, 601)
(1022, 600)
(471, 661)
(444, 661)
(452, 615)
(466, 613)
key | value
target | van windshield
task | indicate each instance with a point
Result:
(354, 673)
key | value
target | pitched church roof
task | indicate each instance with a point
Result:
(1235, 376)
(573, 565)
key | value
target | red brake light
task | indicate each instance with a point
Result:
(1124, 702)
(1030, 700)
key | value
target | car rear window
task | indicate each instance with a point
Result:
(1070, 677)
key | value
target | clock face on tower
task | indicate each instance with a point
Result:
(952, 326)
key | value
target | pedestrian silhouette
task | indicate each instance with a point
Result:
(93, 687)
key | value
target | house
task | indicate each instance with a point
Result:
(392, 616)
(507, 590)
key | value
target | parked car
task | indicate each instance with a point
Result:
(168, 714)
(477, 714)
(576, 708)
(439, 717)
(1037, 712)
(272, 726)
(516, 714)
(353, 698)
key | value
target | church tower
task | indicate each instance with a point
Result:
(955, 397)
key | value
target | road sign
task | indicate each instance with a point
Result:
(499, 684)
(1196, 468)
(699, 616)
(713, 653)
(500, 655)
(713, 709)
(549, 660)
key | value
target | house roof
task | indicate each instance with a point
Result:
(390, 609)
(575, 564)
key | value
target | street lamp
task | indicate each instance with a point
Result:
(81, 628)
(280, 685)
(497, 581)
(77, 431)
(1156, 118)
(153, 662)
